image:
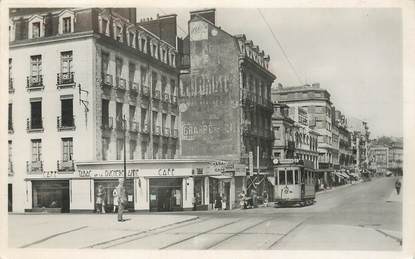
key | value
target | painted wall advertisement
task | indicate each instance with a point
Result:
(209, 95)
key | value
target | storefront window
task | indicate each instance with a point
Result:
(166, 194)
(213, 189)
(50, 194)
(199, 190)
(109, 185)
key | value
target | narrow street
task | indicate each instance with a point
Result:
(365, 216)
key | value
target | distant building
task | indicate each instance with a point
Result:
(384, 157)
(360, 142)
(225, 103)
(292, 138)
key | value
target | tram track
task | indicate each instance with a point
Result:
(288, 232)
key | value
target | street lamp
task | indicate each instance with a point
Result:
(125, 151)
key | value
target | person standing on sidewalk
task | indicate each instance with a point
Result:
(115, 199)
(122, 199)
(398, 186)
(265, 198)
(100, 198)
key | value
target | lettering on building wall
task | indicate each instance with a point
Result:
(203, 85)
(198, 31)
(210, 129)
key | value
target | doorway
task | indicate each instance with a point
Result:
(166, 194)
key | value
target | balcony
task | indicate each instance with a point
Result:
(34, 167)
(107, 123)
(120, 84)
(11, 87)
(65, 165)
(174, 133)
(174, 99)
(145, 91)
(10, 124)
(34, 83)
(10, 169)
(107, 81)
(133, 88)
(65, 123)
(166, 98)
(166, 132)
(157, 130)
(156, 94)
(145, 129)
(119, 124)
(65, 80)
(133, 127)
(34, 125)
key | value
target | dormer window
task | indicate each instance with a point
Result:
(131, 39)
(104, 27)
(118, 33)
(66, 22)
(36, 29)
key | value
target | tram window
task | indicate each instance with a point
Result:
(303, 172)
(296, 176)
(281, 177)
(290, 177)
(308, 177)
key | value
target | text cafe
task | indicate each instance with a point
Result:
(151, 185)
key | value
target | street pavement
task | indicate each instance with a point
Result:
(364, 216)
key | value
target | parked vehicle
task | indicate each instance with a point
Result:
(294, 182)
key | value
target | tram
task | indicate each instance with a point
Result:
(294, 182)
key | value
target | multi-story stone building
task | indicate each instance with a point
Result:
(379, 158)
(360, 141)
(320, 114)
(293, 138)
(225, 103)
(345, 145)
(79, 79)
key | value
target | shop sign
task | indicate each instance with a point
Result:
(240, 170)
(51, 174)
(118, 173)
(218, 166)
(198, 31)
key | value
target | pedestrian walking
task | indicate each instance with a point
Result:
(122, 199)
(115, 200)
(100, 198)
(254, 196)
(398, 186)
(265, 198)
(242, 200)
(223, 202)
(218, 202)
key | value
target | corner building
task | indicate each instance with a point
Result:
(79, 79)
(225, 104)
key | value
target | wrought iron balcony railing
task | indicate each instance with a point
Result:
(120, 84)
(34, 167)
(119, 124)
(68, 165)
(65, 80)
(11, 87)
(34, 82)
(145, 128)
(34, 124)
(166, 98)
(174, 99)
(174, 133)
(133, 88)
(65, 123)
(145, 91)
(107, 123)
(156, 94)
(133, 127)
(157, 130)
(107, 80)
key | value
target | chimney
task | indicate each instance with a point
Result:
(208, 14)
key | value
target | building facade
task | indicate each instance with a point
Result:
(225, 102)
(82, 82)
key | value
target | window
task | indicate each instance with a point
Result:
(119, 115)
(163, 84)
(104, 26)
(133, 145)
(143, 117)
(36, 115)
(10, 117)
(155, 115)
(143, 150)
(172, 122)
(120, 148)
(118, 67)
(281, 177)
(164, 151)
(154, 80)
(105, 57)
(131, 72)
(163, 121)
(131, 113)
(67, 112)
(155, 150)
(66, 62)
(67, 25)
(173, 87)
(105, 112)
(67, 152)
(131, 39)
(143, 74)
(290, 177)
(35, 67)
(105, 148)
(36, 150)
(35, 30)
(296, 176)
(118, 33)
(277, 133)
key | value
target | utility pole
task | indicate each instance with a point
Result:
(125, 150)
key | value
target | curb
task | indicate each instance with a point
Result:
(397, 239)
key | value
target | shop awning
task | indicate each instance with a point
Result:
(221, 176)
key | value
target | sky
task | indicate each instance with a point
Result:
(354, 53)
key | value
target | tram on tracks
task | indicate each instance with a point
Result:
(294, 182)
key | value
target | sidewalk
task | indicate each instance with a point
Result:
(394, 197)
(83, 230)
